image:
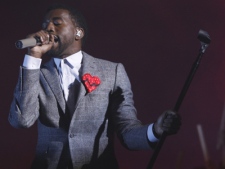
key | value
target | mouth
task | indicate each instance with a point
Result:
(56, 38)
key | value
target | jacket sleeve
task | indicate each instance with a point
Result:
(129, 129)
(24, 109)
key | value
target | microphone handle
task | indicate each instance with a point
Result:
(29, 42)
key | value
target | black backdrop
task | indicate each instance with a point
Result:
(157, 43)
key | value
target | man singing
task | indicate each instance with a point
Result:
(78, 101)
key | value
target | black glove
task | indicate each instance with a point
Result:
(168, 122)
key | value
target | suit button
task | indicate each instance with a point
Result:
(72, 135)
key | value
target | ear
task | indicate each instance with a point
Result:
(79, 33)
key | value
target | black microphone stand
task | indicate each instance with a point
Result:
(205, 41)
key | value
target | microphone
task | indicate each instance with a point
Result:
(205, 40)
(29, 42)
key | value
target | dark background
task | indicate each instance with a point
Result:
(156, 40)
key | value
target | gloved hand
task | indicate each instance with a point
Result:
(168, 122)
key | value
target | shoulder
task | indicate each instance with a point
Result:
(110, 69)
(103, 64)
(106, 64)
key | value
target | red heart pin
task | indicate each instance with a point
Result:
(90, 82)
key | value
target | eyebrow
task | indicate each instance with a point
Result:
(54, 18)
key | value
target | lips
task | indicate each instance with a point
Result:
(56, 38)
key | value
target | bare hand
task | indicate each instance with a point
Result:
(47, 41)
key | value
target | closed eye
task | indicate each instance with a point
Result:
(56, 21)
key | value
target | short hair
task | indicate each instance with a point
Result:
(75, 14)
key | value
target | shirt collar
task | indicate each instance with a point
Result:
(74, 59)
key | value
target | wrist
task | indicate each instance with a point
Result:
(31, 62)
(154, 132)
(34, 53)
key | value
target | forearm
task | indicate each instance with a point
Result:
(25, 106)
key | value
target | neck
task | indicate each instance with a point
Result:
(66, 54)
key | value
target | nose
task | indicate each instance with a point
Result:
(49, 27)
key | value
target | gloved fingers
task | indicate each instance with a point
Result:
(175, 120)
(170, 131)
(171, 123)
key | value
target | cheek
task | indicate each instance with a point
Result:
(68, 34)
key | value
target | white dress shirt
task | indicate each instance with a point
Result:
(69, 71)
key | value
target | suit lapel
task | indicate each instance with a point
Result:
(91, 66)
(51, 75)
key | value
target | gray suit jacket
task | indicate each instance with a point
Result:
(87, 136)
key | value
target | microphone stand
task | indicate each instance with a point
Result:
(205, 41)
